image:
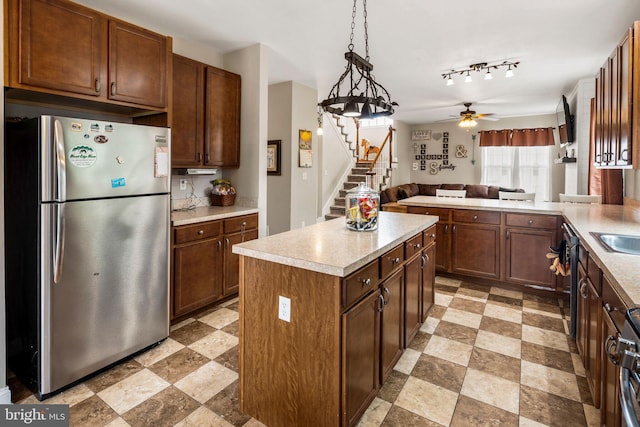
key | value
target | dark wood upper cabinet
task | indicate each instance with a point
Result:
(222, 133)
(137, 65)
(56, 47)
(60, 46)
(187, 130)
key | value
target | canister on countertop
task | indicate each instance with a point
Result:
(361, 207)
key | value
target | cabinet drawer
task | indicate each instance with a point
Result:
(391, 260)
(613, 304)
(235, 225)
(201, 231)
(413, 246)
(532, 221)
(429, 236)
(594, 273)
(360, 283)
(478, 217)
(442, 213)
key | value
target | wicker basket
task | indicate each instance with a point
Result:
(223, 199)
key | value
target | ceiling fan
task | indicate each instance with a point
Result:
(468, 116)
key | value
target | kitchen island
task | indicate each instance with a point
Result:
(326, 312)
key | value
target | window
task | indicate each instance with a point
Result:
(518, 167)
(380, 121)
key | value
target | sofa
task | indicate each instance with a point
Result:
(390, 196)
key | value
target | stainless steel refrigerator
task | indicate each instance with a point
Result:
(87, 211)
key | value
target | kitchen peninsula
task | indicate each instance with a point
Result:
(326, 312)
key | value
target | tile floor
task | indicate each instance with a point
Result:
(483, 357)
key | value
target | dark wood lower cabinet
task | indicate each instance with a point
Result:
(610, 411)
(231, 282)
(525, 259)
(412, 297)
(475, 250)
(360, 355)
(392, 323)
(428, 281)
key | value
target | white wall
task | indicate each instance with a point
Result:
(250, 179)
(577, 174)
(466, 170)
(278, 187)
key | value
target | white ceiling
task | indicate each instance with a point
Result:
(412, 42)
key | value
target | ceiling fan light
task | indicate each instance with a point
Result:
(351, 109)
(467, 122)
(488, 76)
(509, 72)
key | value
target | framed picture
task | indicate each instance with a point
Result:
(304, 149)
(273, 157)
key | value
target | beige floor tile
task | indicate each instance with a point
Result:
(578, 367)
(220, 318)
(443, 300)
(203, 417)
(428, 400)
(182, 323)
(545, 337)
(213, 345)
(132, 390)
(447, 349)
(463, 318)
(492, 390)
(118, 422)
(472, 294)
(253, 423)
(503, 313)
(207, 381)
(231, 301)
(430, 325)
(407, 361)
(526, 422)
(592, 415)
(509, 293)
(542, 312)
(551, 380)
(166, 348)
(375, 413)
(499, 344)
(70, 397)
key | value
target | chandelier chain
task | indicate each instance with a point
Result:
(366, 31)
(353, 25)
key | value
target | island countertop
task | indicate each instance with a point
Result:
(329, 247)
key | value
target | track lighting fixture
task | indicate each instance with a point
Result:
(479, 67)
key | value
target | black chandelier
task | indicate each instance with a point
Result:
(365, 98)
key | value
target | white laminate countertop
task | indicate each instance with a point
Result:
(622, 269)
(208, 213)
(329, 247)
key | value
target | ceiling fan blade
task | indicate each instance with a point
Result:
(485, 115)
(491, 119)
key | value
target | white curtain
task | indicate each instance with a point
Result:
(528, 168)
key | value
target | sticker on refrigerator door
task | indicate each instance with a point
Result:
(118, 182)
(76, 127)
(82, 156)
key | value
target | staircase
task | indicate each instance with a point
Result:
(357, 175)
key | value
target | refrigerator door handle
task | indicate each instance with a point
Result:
(61, 171)
(58, 254)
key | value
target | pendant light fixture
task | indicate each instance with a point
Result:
(363, 98)
(479, 67)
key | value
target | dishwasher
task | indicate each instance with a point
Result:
(571, 257)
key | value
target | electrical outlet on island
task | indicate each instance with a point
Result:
(284, 308)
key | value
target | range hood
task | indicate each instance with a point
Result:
(195, 171)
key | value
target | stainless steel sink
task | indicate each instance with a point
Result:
(619, 242)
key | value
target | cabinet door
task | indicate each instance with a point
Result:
(222, 119)
(582, 332)
(599, 130)
(360, 356)
(392, 321)
(525, 259)
(412, 297)
(607, 150)
(137, 65)
(594, 345)
(443, 242)
(625, 74)
(428, 280)
(476, 250)
(231, 282)
(610, 411)
(197, 275)
(187, 127)
(58, 45)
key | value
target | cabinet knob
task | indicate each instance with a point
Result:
(530, 221)
(366, 282)
(417, 245)
(395, 260)
(97, 85)
(113, 88)
(200, 232)
(475, 217)
(433, 236)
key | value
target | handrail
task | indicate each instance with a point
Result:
(389, 137)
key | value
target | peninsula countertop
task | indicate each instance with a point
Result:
(329, 247)
(585, 219)
(208, 213)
